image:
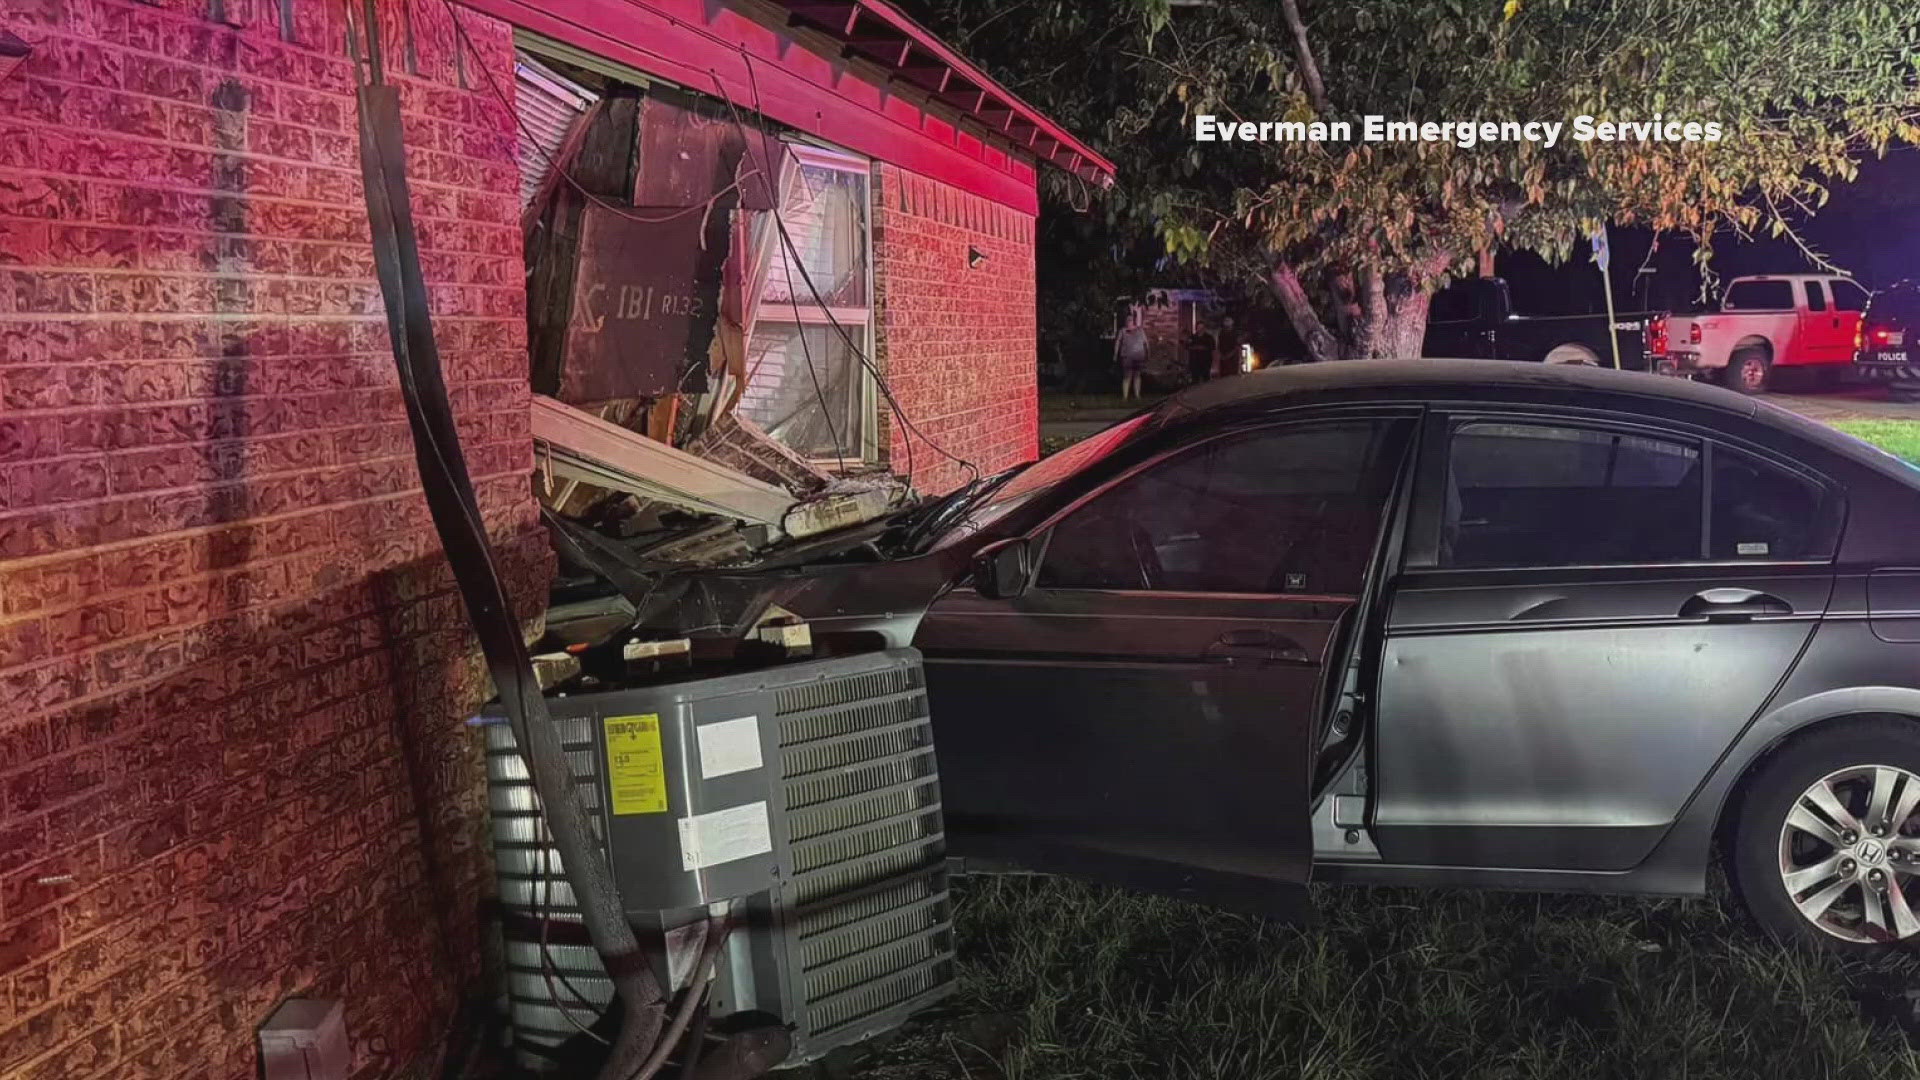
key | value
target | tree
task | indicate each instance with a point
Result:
(1353, 237)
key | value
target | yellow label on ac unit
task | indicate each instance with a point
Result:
(636, 766)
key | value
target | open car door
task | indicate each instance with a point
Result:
(1139, 697)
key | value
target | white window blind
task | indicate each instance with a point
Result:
(549, 104)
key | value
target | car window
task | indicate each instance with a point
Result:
(1897, 307)
(1763, 512)
(1847, 296)
(1536, 495)
(1759, 296)
(1816, 300)
(1451, 304)
(1283, 510)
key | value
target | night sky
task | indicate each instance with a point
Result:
(1870, 228)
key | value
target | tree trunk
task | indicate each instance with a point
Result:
(1377, 315)
(1393, 318)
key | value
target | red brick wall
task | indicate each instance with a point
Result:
(958, 345)
(232, 765)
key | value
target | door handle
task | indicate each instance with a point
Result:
(1256, 647)
(1733, 605)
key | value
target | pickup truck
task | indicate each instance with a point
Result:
(1767, 322)
(1474, 320)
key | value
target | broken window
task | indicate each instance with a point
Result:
(810, 310)
(699, 358)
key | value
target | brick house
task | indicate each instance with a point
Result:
(234, 767)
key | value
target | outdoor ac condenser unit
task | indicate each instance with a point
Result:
(804, 796)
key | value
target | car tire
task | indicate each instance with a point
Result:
(1748, 371)
(1809, 891)
(1904, 392)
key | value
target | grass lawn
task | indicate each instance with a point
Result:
(1065, 981)
(1898, 437)
(1071, 406)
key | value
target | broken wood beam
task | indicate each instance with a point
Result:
(589, 449)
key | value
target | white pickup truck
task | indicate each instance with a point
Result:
(1767, 322)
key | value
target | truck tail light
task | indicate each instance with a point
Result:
(1657, 335)
(1879, 335)
(1693, 334)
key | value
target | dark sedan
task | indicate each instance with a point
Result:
(1434, 622)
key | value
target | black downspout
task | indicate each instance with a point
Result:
(456, 517)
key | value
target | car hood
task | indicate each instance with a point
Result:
(881, 601)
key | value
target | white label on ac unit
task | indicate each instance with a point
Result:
(729, 746)
(724, 835)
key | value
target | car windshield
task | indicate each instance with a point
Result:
(1042, 475)
(1898, 306)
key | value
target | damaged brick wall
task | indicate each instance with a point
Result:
(232, 763)
(959, 346)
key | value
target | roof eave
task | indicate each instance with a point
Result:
(875, 32)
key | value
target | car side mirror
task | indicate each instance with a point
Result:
(1002, 570)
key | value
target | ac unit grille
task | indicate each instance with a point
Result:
(871, 934)
(826, 693)
(844, 750)
(838, 879)
(808, 791)
(846, 846)
(860, 927)
(912, 985)
(843, 911)
(825, 724)
(848, 813)
(863, 809)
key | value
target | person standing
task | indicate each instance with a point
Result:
(1130, 353)
(1229, 348)
(1200, 360)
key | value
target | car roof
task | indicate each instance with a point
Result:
(1436, 379)
(1444, 378)
(1794, 277)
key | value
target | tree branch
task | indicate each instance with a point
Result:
(1320, 342)
(1303, 55)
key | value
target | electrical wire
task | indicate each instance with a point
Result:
(911, 429)
(704, 207)
(544, 912)
(719, 928)
(879, 379)
(806, 353)
(424, 433)
(554, 164)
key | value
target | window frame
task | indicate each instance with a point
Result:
(1840, 286)
(1815, 293)
(1420, 554)
(803, 312)
(1792, 304)
(1039, 537)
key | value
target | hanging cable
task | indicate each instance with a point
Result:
(786, 267)
(554, 164)
(753, 85)
(910, 429)
(549, 971)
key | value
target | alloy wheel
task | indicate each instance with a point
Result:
(1752, 374)
(1850, 854)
